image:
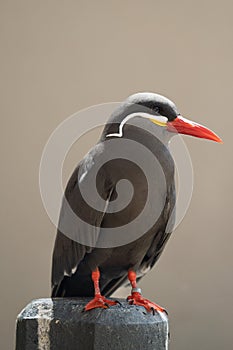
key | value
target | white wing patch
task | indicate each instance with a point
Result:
(143, 271)
(89, 162)
(74, 269)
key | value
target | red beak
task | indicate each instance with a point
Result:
(187, 127)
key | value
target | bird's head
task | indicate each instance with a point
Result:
(161, 112)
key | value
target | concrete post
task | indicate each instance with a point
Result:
(60, 324)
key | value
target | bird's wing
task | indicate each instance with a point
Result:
(164, 232)
(161, 236)
(78, 234)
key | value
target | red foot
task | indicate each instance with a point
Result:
(99, 301)
(137, 299)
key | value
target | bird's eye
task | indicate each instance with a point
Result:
(156, 109)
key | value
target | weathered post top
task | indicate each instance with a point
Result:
(60, 324)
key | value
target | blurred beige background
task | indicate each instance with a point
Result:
(58, 57)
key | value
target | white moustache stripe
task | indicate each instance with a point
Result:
(160, 119)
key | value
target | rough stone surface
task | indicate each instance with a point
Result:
(60, 324)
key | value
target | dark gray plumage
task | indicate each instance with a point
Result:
(74, 262)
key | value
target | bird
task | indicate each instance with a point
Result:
(82, 266)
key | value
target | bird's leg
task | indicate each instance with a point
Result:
(98, 300)
(136, 297)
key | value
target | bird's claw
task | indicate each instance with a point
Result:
(99, 301)
(137, 299)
